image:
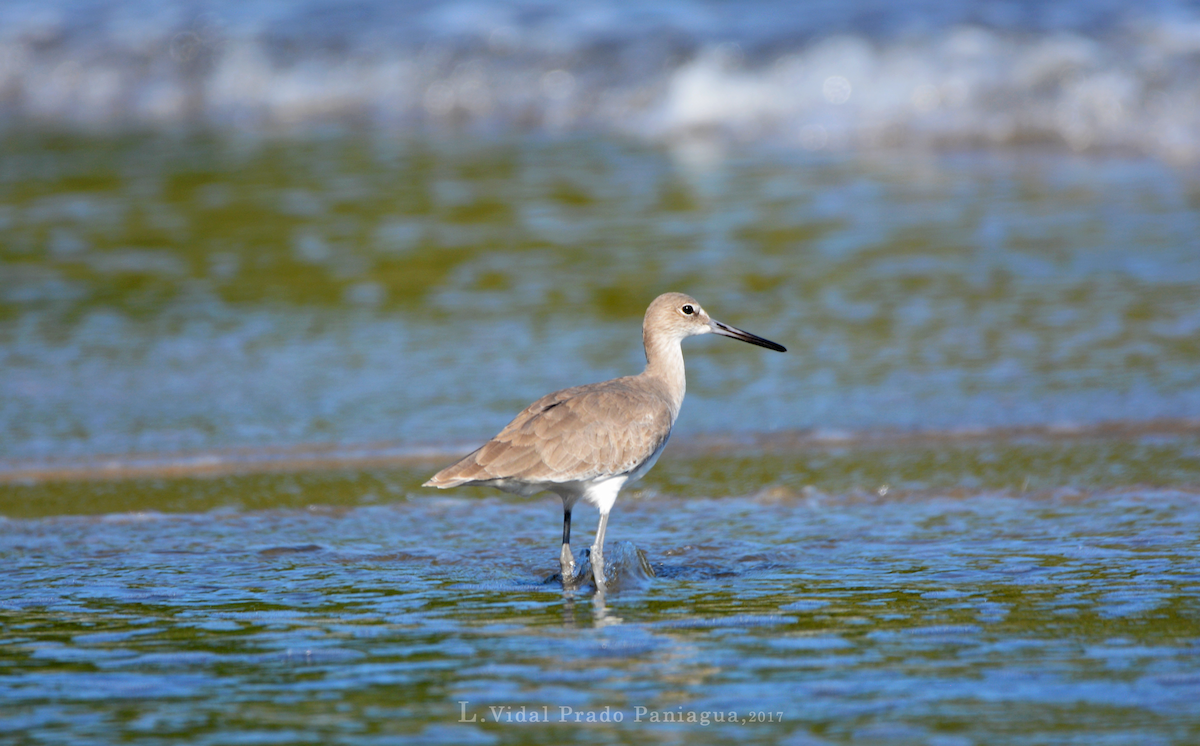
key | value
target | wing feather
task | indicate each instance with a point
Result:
(574, 434)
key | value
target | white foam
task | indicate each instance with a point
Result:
(1091, 82)
(967, 88)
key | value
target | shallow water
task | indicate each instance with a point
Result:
(993, 616)
(1017, 590)
(171, 294)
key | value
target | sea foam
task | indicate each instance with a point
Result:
(1077, 76)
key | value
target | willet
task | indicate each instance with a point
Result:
(588, 442)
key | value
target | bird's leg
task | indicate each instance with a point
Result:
(598, 552)
(566, 560)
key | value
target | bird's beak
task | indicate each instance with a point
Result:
(726, 330)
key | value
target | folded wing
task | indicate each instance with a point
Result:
(571, 435)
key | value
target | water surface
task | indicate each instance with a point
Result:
(376, 613)
(196, 293)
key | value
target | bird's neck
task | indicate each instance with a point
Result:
(664, 364)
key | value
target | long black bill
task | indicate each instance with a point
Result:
(732, 331)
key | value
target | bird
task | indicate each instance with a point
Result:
(588, 442)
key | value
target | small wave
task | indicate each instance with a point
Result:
(936, 75)
(966, 87)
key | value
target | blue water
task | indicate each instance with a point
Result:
(989, 619)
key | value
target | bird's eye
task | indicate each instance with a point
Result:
(688, 310)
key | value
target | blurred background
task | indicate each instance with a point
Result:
(248, 223)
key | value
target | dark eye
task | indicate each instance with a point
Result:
(688, 310)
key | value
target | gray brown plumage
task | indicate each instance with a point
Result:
(576, 434)
(587, 442)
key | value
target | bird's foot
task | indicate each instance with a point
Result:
(597, 561)
(627, 568)
(566, 563)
